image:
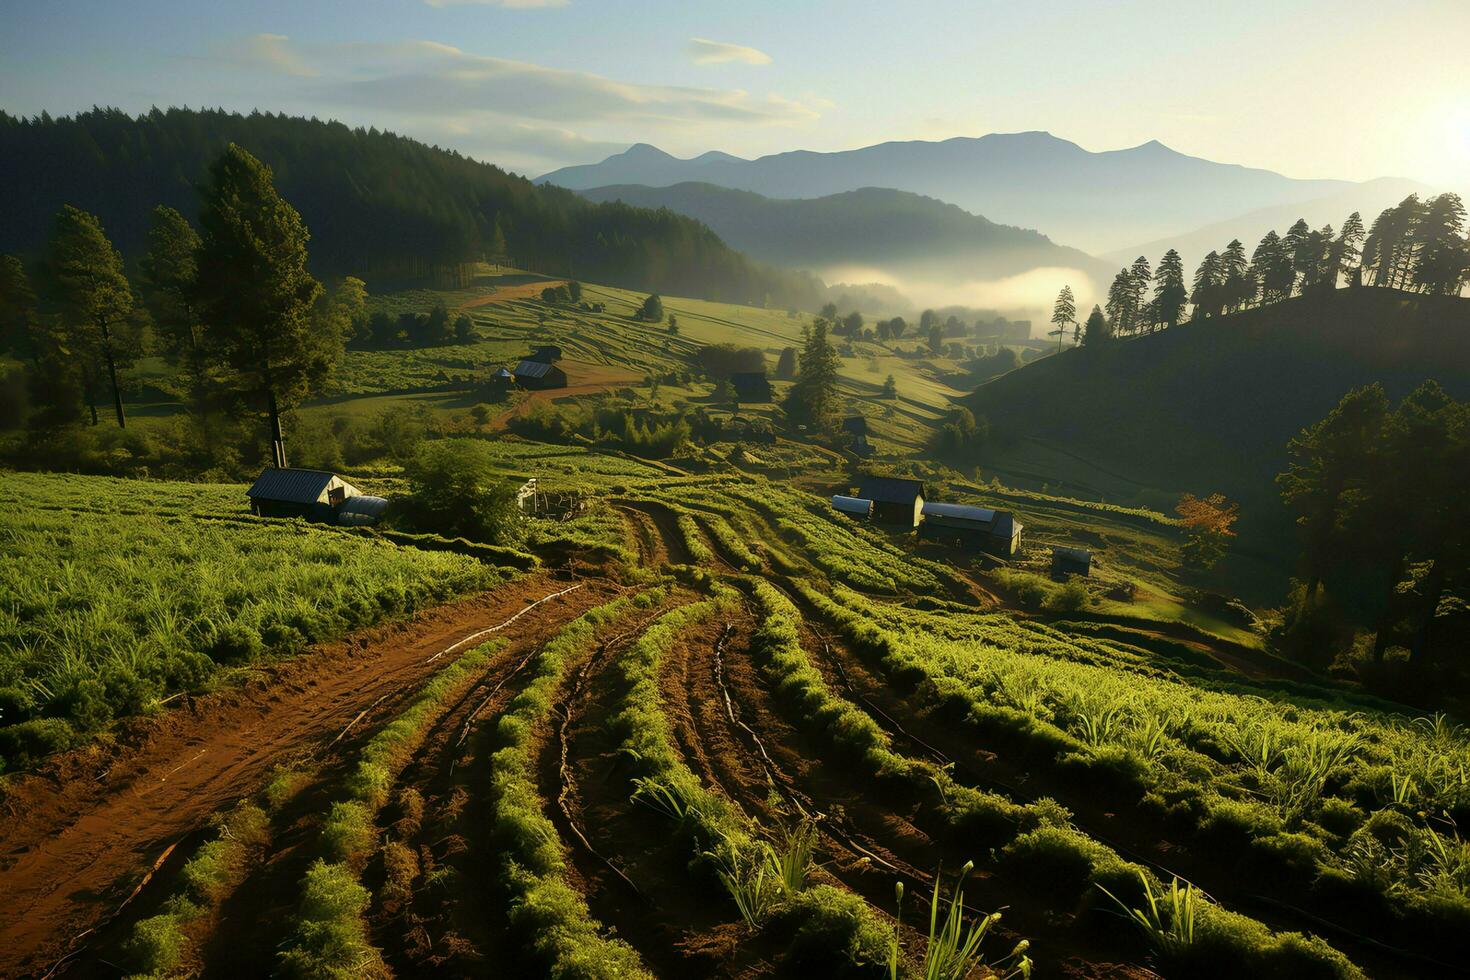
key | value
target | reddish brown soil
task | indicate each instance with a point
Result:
(666, 540)
(77, 836)
(583, 379)
(521, 290)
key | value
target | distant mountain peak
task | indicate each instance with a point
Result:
(644, 151)
(717, 156)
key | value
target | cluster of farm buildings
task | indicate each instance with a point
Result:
(900, 503)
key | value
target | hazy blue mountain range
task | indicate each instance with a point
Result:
(1367, 198)
(1096, 201)
(902, 234)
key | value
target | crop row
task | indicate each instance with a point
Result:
(545, 909)
(1034, 840)
(1345, 797)
(726, 844)
(330, 938)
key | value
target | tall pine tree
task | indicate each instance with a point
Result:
(254, 294)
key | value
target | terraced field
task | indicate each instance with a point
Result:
(715, 749)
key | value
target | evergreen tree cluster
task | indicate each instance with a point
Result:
(1378, 494)
(1416, 245)
(384, 208)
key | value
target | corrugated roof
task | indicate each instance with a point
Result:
(852, 505)
(532, 369)
(963, 512)
(1076, 554)
(502, 372)
(891, 490)
(290, 485)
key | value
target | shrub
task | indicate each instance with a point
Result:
(457, 491)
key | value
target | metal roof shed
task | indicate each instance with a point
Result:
(291, 492)
(852, 506)
(361, 510)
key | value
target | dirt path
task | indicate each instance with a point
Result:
(669, 545)
(76, 837)
(506, 294)
(600, 379)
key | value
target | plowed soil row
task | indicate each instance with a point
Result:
(634, 871)
(77, 836)
(1101, 810)
(870, 835)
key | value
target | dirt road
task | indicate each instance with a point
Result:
(77, 836)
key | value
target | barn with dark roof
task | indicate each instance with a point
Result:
(895, 500)
(993, 531)
(537, 375)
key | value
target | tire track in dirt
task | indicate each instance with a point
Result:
(665, 523)
(80, 833)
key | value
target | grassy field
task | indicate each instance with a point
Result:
(115, 594)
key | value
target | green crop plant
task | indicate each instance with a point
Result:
(952, 947)
(1167, 917)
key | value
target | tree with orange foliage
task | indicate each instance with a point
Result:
(1209, 524)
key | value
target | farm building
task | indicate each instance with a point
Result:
(854, 507)
(856, 427)
(540, 374)
(993, 531)
(289, 492)
(1070, 561)
(547, 354)
(361, 510)
(895, 501)
(751, 386)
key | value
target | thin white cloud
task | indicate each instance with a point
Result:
(273, 52)
(427, 77)
(528, 117)
(707, 52)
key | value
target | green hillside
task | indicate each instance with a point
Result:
(379, 206)
(893, 230)
(1210, 405)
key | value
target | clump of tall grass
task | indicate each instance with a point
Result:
(952, 947)
(1167, 916)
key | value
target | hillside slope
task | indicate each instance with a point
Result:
(895, 231)
(1095, 201)
(379, 206)
(1211, 405)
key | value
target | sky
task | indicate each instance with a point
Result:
(1311, 88)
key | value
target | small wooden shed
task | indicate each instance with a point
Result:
(291, 492)
(538, 375)
(992, 531)
(1070, 561)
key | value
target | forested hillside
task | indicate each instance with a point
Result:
(379, 206)
(874, 226)
(1210, 404)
